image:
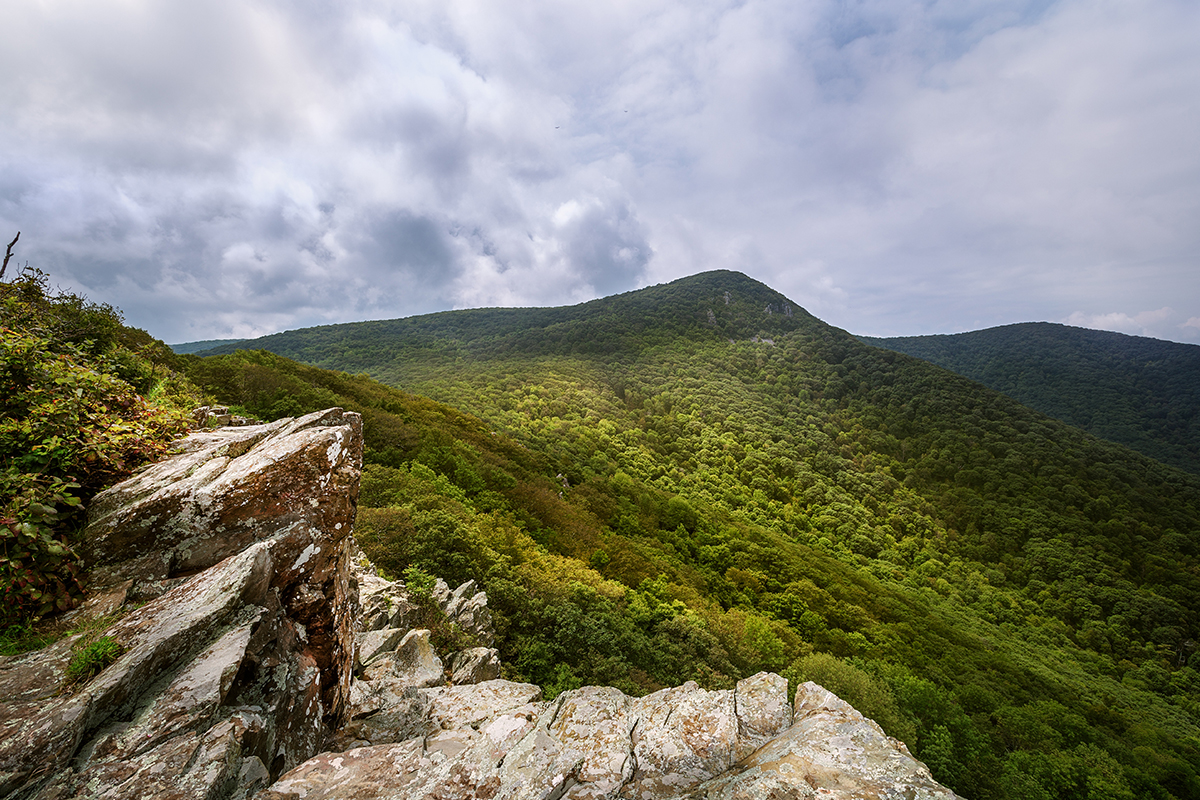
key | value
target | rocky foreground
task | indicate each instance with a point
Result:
(262, 657)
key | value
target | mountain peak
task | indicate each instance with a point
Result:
(720, 304)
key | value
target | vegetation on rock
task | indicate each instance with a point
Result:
(90, 660)
(84, 401)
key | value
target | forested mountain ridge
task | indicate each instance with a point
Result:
(196, 347)
(1140, 392)
(744, 487)
(703, 309)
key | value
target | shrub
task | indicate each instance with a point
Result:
(71, 422)
(39, 572)
(860, 689)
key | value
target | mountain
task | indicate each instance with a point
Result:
(196, 347)
(700, 480)
(1140, 392)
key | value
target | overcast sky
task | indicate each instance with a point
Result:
(237, 167)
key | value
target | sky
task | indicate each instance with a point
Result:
(233, 168)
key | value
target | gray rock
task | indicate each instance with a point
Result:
(387, 713)
(473, 616)
(580, 747)
(412, 664)
(466, 608)
(385, 603)
(494, 740)
(475, 665)
(477, 705)
(382, 713)
(683, 736)
(239, 666)
(39, 739)
(763, 711)
(441, 593)
(374, 643)
(189, 702)
(833, 752)
(451, 607)
(224, 490)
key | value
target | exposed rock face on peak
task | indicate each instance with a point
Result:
(224, 490)
(272, 662)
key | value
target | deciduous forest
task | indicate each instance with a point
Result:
(1139, 392)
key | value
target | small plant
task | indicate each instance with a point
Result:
(446, 637)
(88, 661)
(419, 583)
(17, 639)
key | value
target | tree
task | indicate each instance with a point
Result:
(8, 254)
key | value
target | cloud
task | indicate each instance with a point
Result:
(897, 167)
(1162, 323)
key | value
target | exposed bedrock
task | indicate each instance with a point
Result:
(238, 665)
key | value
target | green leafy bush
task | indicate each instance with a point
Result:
(39, 572)
(867, 694)
(72, 422)
(419, 583)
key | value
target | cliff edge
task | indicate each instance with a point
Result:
(254, 653)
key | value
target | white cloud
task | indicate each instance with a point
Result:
(1162, 323)
(896, 167)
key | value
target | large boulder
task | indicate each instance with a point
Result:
(832, 751)
(225, 489)
(413, 663)
(494, 740)
(475, 665)
(240, 666)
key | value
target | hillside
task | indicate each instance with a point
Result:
(700, 480)
(196, 347)
(1140, 392)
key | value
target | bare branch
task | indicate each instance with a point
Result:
(8, 254)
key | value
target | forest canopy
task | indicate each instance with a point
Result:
(700, 480)
(1140, 392)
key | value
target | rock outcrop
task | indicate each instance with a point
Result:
(263, 658)
(496, 740)
(239, 666)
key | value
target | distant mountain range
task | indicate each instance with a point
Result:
(197, 347)
(1140, 392)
